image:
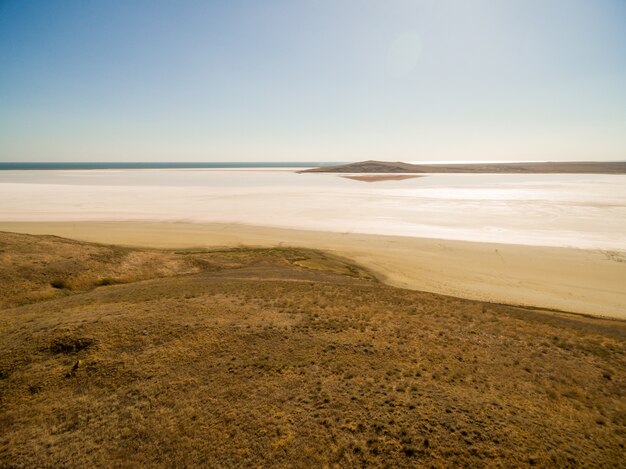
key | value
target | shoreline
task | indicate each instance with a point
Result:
(567, 279)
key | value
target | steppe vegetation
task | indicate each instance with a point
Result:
(114, 356)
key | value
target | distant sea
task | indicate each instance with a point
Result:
(262, 164)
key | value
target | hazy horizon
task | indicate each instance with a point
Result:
(420, 81)
(217, 164)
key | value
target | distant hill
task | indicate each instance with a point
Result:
(372, 166)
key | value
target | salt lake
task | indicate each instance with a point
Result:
(584, 211)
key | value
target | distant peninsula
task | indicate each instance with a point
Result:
(570, 167)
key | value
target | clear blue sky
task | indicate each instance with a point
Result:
(149, 80)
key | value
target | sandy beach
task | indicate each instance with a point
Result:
(574, 280)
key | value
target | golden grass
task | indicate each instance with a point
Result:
(269, 357)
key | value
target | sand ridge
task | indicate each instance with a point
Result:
(575, 280)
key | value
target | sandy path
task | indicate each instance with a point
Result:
(583, 281)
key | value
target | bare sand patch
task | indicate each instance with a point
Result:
(576, 280)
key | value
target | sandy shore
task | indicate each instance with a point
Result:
(576, 280)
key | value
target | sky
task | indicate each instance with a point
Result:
(336, 80)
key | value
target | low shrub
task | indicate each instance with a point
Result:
(106, 281)
(60, 284)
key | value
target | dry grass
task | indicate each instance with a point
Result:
(287, 358)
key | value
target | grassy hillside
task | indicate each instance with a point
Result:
(113, 356)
